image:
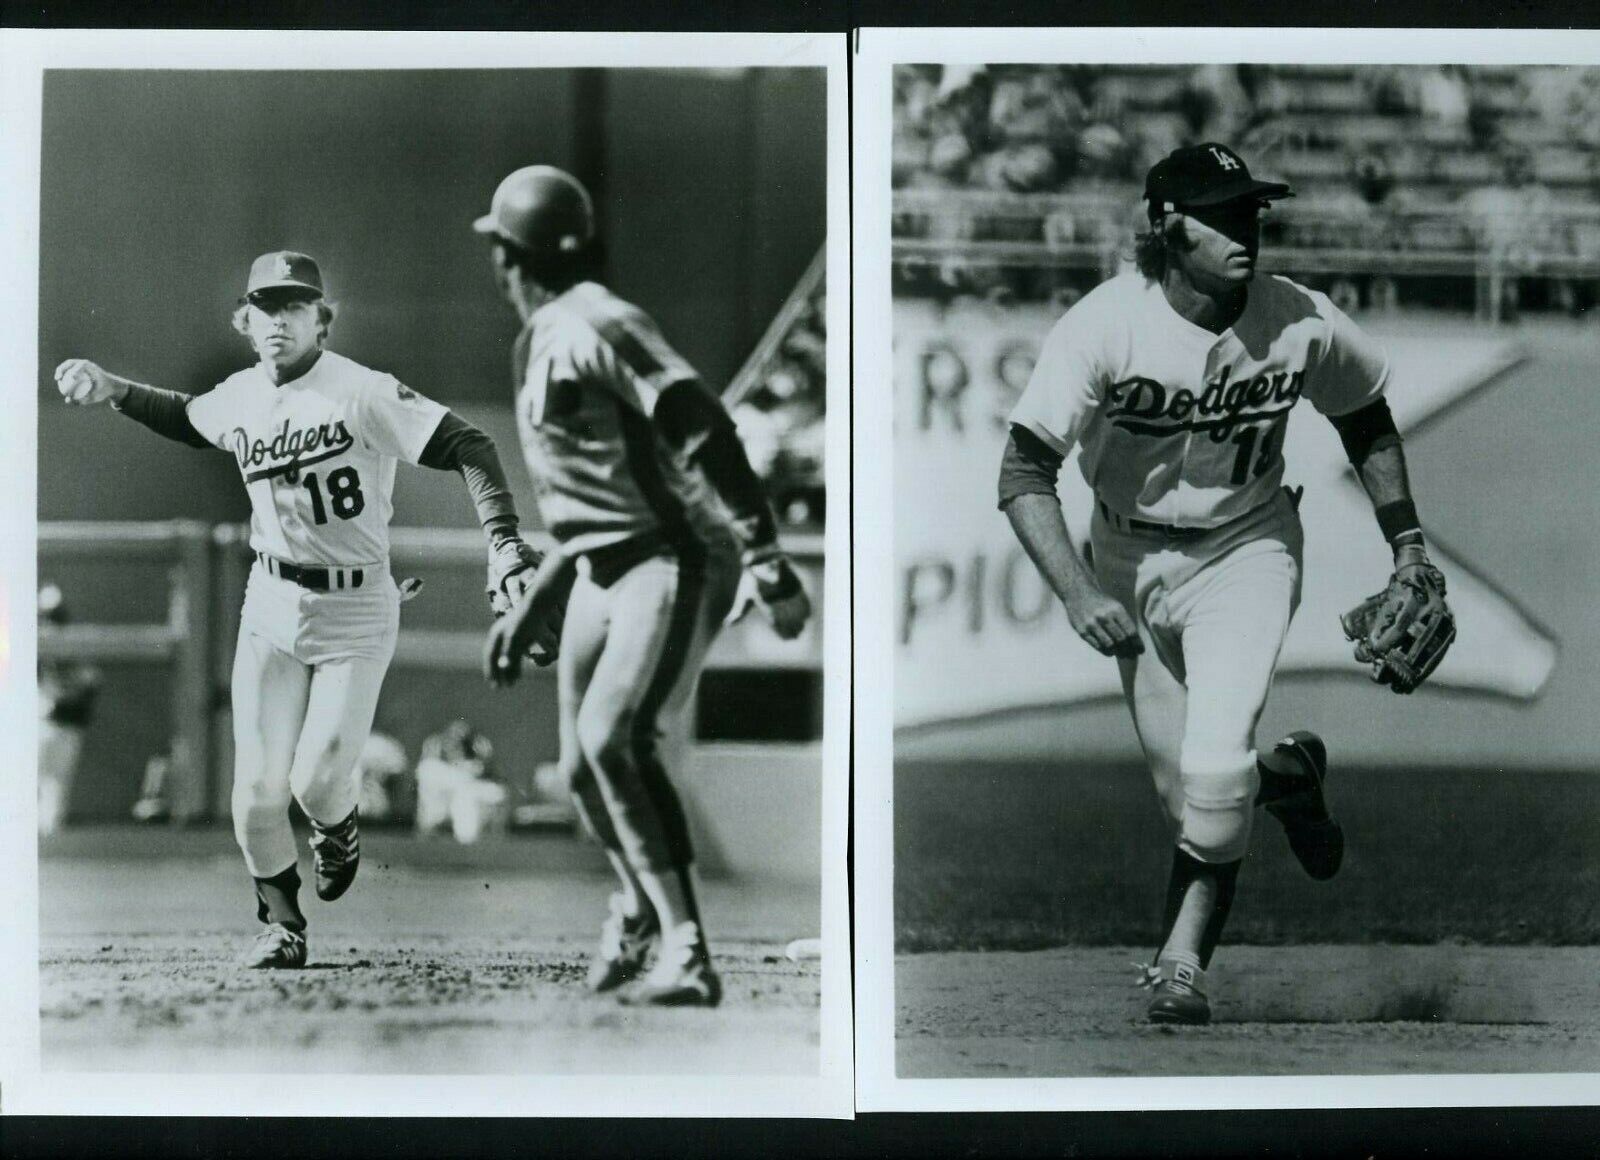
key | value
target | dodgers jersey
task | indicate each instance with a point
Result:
(1182, 426)
(318, 455)
(589, 368)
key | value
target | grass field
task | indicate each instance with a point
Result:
(1028, 855)
(1460, 936)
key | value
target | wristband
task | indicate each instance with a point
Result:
(500, 528)
(1397, 519)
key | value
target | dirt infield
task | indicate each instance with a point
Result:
(439, 970)
(1319, 1010)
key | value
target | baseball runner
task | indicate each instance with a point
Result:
(1176, 380)
(316, 437)
(647, 489)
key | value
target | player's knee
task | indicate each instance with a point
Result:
(574, 771)
(1215, 833)
(605, 740)
(317, 764)
(258, 805)
(1219, 789)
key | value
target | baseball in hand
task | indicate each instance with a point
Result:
(83, 382)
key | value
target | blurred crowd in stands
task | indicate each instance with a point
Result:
(780, 416)
(1443, 164)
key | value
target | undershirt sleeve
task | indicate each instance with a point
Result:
(164, 412)
(1029, 466)
(1365, 430)
(692, 421)
(457, 445)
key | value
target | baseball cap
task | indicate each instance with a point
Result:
(1202, 175)
(284, 270)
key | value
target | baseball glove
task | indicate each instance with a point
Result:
(512, 562)
(1404, 631)
(532, 627)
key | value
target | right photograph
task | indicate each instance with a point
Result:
(1244, 683)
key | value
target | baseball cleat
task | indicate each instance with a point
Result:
(1177, 993)
(276, 948)
(682, 975)
(625, 942)
(337, 852)
(1296, 799)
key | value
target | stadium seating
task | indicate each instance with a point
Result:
(1003, 171)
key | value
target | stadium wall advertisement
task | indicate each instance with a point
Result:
(979, 638)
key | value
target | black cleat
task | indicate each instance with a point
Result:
(337, 852)
(682, 975)
(1177, 994)
(1296, 799)
(625, 946)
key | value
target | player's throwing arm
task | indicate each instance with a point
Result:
(1102, 622)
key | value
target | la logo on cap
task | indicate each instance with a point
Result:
(284, 268)
(1225, 159)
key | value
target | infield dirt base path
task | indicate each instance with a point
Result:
(431, 1005)
(1308, 1010)
(448, 968)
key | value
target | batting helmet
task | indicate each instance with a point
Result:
(540, 208)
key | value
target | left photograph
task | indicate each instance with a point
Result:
(431, 571)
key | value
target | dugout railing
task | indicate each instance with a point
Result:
(183, 640)
(205, 575)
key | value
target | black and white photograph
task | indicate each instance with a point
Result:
(1227, 737)
(440, 627)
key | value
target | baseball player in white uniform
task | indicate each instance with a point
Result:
(316, 437)
(1176, 380)
(646, 487)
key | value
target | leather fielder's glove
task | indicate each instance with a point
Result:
(772, 585)
(512, 563)
(532, 626)
(1404, 631)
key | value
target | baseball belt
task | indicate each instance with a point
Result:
(316, 579)
(1127, 523)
